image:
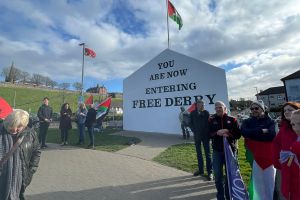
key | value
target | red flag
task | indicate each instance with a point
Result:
(192, 108)
(5, 108)
(89, 101)
(89, 52)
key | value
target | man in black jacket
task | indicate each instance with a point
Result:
(45, 117)
(221, 125)
(200, 128)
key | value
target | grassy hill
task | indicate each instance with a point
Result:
(29, 98)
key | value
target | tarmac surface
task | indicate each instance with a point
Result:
(72, 173)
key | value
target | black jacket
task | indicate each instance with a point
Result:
(30, 154)
(252, 128)
(45, 112)
(199, 125)
(90, 117)
(225, 122)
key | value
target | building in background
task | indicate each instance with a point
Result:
(101, 90)
(292, 86)
(273, 97)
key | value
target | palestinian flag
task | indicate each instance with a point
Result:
(173, 14)
(89, 101)
(103, 108)
(89, 52)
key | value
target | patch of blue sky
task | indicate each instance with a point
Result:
(113, 85)
(73, 1)
(212, 5)
(10, 20)
(123, 17)
(63, 34)
(231, 65)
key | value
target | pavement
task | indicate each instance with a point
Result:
(71, 173)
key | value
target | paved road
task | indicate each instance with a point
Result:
(72, 173)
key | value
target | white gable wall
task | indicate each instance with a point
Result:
(147, 111)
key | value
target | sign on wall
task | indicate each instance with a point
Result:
(153, 95)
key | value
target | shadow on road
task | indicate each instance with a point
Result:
(184, 187)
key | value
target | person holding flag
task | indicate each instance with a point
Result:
(222, 125)
(259, 132)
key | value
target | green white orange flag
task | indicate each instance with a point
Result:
(173, 14)
(103, 108)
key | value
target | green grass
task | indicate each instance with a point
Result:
(30, 99)
(183, 157)
(104, 141)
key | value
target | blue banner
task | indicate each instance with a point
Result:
(237, 189)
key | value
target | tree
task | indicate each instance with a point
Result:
(47, 80)
(24, 76)
(77, 86)
(52, 84)
(5, 72)
(37, 79)
(64, 86)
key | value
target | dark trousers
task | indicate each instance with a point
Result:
(22, 195)
(185, 132)
(43, 132)
(91, 135)
(220, 179)
(81, 128)
(207, 156)
(64, 135)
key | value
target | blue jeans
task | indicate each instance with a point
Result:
(207, 156)
(91, 134)
(220, 179)
(81, 132)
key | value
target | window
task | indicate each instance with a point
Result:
(279, 97)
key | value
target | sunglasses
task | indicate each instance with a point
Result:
(254, 108)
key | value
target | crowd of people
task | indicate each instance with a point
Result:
(273, 157)
(20, 143)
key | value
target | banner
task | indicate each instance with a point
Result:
(237, 189)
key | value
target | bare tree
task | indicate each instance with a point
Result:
(5, 72)
(52, 84)
(37, 79)
(24, 76)
(47, 80)
(77, 86)
(64, 86)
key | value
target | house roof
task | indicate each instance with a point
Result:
(292, 76)
(272, 90)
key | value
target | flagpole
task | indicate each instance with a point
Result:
(82, 71)
(228, 182)
(167, 1)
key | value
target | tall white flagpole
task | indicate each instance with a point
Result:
(167, 2)
(82, 71)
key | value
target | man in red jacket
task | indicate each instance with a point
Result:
(221, 125)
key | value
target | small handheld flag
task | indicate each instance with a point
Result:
(103, 108)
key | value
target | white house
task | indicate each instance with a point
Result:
(153, 95)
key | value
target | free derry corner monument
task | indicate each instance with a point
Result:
(153, 95)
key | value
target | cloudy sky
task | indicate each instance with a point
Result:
(256, 42)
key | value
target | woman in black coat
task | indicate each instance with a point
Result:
(65, 122)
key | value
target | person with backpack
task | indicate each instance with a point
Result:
(183, 118)
(200, 127)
